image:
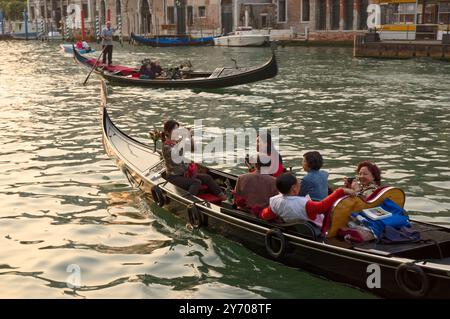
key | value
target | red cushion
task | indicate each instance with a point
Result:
(210, 198)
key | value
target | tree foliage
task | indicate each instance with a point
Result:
(13, 9)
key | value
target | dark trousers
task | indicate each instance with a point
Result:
(193, 184)
(108, 52)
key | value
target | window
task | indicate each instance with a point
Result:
(31, 13)
(406, 13)
(321, 21)
(264, 21)
(363, 19)
(202, 11)
(190, 15)
(398, 13)
(42, 12)
(305, 10)
(444, 13)
(334, 14)
(86, 11)
(281, 10)
(170, 15)
(348, 15)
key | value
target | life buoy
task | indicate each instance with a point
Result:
(401, 277)
(275, 232)
(195, 216)
(158, 196)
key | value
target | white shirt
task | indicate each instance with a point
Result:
(292, 208)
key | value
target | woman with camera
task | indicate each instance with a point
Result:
(367, 181)
(178, 172)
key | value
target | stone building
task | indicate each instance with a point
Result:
(56, 14)
(324, 19)
(321, 19)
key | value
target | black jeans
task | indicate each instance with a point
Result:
(108, 52)
(193, 184)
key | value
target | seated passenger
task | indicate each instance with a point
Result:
(177, 170)
(292, 208)
(255, 189)
(264, 146)
(315, 183)
(85, 46)
(157, 69)
(79, 45)
(146, 71)
(367, 181)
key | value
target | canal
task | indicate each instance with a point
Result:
(66, 208)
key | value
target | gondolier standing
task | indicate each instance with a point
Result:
(107, 44)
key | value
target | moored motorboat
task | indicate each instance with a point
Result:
(242, 37)
(413, 270)
(219, 78)
(241, 40)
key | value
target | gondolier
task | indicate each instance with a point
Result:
(107, 43)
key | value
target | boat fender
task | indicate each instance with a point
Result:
(158, 196)
(401, 277)
(195, 216)
(275, 232)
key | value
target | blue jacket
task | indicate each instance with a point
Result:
(315, 183)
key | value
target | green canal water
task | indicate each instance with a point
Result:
(64, 203)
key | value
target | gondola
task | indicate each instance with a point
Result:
(413, 270)
(171, 40)
(219, 78)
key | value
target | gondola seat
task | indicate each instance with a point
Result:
(216, 73)
(345, 206)
(210, 198)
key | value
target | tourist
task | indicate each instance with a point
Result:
(290, 207)
(315, 182)
(177, 171)
(255, 189)
(368, 179)
(265, 147)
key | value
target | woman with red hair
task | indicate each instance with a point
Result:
(368, 179)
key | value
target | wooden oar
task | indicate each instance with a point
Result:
(94, 66)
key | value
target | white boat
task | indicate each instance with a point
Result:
(242, 37)
(54, 35)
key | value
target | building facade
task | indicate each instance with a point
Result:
(319, 19)
(411, 19)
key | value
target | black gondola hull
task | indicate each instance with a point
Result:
(248, 75)
(321, 257)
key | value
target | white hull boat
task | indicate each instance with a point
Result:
(241, 40)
